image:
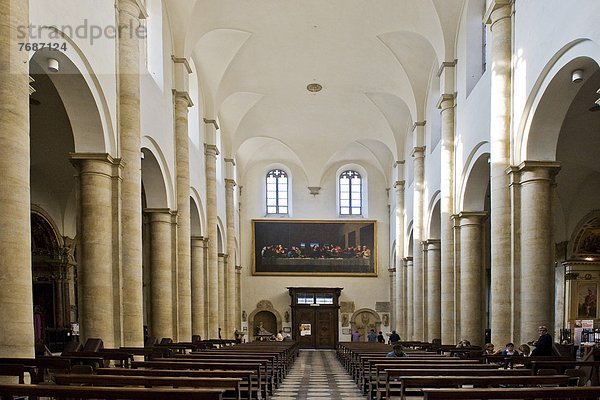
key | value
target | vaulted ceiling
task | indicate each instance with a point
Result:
(375, 60)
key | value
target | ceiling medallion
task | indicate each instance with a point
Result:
(314, 87)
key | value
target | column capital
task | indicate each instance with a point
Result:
(392, 270)
(197, 238)
(183, 97)
(553, 167)
(406, 260)
(135, 8)
(183, 61)
(230, 160)
(230, 184)
(164, 215)
(211, 122)
(223, 256)
(432, 244)
(417, 124)
(444, 65)
(418, 152)
(445, 101)
(211, 150)
(238, 268)
(470, 217)
(399, 185)
(77, 157)
(497, 10)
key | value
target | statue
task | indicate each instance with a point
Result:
(261, 331)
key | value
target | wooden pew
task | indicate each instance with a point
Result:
(387, 373)
(418, 382)
(256, 368)
(232, 385)
(248, 389)
(8, 392)
(38, 367)
(562, 393)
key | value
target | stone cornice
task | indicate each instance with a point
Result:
(160, 210)
(230, 182)
(184, 96)
(444, 65)
(445, 97)
(230, 160)
(418, 149)
(238, 267)
(211, 148)
(76, 157)
(184, 61)
(553, 166)
(397, 163)
(477, 216)
(211, 122)
(195, 237)
(420, 123)
(399, 184)
(495, 5)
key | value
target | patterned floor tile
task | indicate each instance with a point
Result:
(317, 374)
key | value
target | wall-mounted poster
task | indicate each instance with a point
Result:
(305, 330)
(314, 247)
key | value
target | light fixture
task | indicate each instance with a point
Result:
(577, 75)
(314, 87)
(53, 65)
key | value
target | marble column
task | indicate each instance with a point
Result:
(418, 289)
(500, 19)
(222, 298)
(434, 304)
(95, 271)
(16, 304)
(184, 290)
(161, 273)
(238, 297)
(409, 299)
(400, 305)
(404, 299)
(393, 300)
(198, 282)
(446, 105)
(211, 153)
(130, 140)
(230, 271)
(537, 246)
(471, 277)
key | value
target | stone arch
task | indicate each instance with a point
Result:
(475, 180)
(434, 217)
(265, 307)
(81, 92)
(154, 180)
(198, 221)
(363, 320)
(551, 98)
(585, 239)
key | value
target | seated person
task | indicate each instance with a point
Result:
(509, 350)
(525, 350)
(463, 343)
(488, 349)
(397, 352)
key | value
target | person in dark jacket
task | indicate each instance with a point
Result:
(543, 344)
(397, 352)
(380, 337)
(394, 337)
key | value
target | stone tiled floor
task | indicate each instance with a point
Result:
(317, 374)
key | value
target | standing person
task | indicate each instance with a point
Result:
(380, 337)
(372, 336)
(394, 337)
(543, 344)
(356, 336)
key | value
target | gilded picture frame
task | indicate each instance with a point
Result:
(314, 247)
(587, 300)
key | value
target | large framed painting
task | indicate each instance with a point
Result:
(587, 297)
(314, 247)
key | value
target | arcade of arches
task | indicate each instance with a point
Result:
(465, 133)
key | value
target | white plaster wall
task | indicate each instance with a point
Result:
(101, 54)
(364, 291)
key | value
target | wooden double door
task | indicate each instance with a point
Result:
(315, 321)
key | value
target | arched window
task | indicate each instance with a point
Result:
(277, 192)
(350, 193)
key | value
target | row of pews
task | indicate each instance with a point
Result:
(437, 372)
(241, 371)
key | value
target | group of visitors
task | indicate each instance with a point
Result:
(315, 251)
(543, 346)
